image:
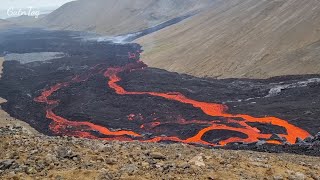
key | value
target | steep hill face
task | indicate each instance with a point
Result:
(114, 17)
(241, 38)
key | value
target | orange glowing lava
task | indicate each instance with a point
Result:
(84, 129)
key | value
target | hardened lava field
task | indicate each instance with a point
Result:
(103, 90)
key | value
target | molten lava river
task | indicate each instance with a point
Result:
(86, 129)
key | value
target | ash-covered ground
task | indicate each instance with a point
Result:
(87, 104)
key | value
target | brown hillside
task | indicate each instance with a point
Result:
(114, 17)
(241, 38)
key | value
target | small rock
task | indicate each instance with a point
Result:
(145, 164)
(309, 139)
(277, 177)
(31, 170)
(317, 136)
(105, 176)
(277, 137)
(211, 176)
(63, 152)
(299, 141)
(6, 164)
(75, 158)
(198, 161)
(157, 155)
(297, 176)
(100, 159)
(315, 176)
(258, 164)
(49, 158)
(159, 165)
(130, 169)
(51, 166)
(11, 174)
(58, 177)
(184, 166)
(33, 151)
(300, 176)
(260, 143)
(14, 155)
(111, 161)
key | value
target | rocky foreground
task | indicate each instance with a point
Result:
(29, 155)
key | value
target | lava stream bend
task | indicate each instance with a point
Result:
(62, 126)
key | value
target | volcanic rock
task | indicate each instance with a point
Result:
(309, 139)
(317, 136)
(63, 152)
(50, 158)
(197, 160)
(157, 155)
(31, 170)
(111, 161)
(277, 177)
(299, 141)
(259, 143)
(105, 176)
(6, 164)
(130, 169)
(278, 138)
(297, 176)
(259, 164)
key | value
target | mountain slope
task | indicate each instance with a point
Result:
(114, 17)
(5, 24)
(241, 38)
(25, 20)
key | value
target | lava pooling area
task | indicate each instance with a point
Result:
(103, 90)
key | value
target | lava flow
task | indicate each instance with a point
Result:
(84, 129)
